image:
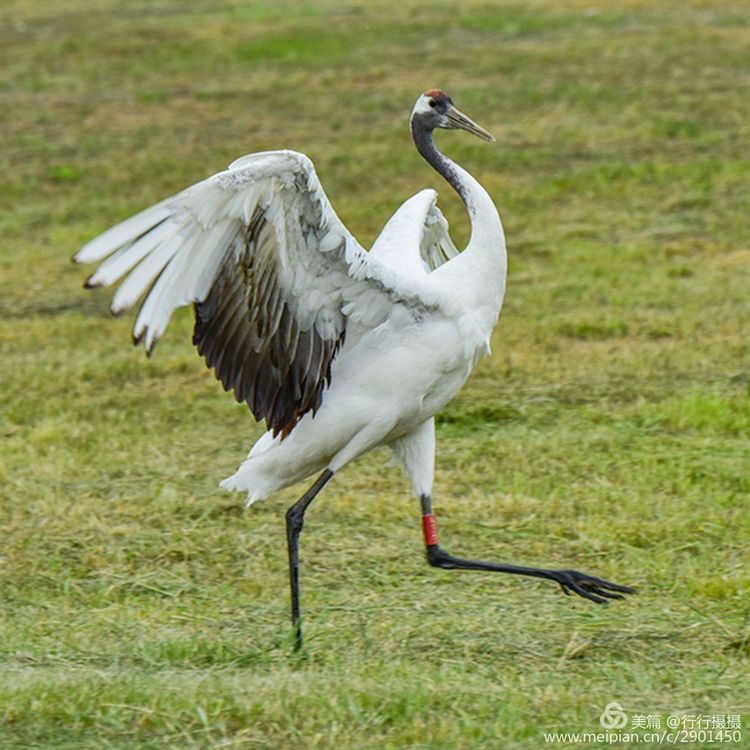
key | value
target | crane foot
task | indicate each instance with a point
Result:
(589, 587)
(594, 589)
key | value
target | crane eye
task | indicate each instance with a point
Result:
(433, 103)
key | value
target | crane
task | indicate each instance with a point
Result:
(338, 349)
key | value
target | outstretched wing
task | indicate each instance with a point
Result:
(273, 273)
(415, 240)
(437, 246)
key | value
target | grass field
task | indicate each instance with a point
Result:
(141, 607)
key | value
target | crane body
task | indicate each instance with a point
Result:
(338, 349)
(385, 383)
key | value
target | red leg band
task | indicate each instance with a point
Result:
(429, 529)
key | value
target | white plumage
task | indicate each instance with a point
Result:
(338, 349)
(414, 324)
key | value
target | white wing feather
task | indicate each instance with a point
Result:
(272, 270)
(415, 240)
(179, 244)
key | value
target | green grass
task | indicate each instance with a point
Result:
(140, 607)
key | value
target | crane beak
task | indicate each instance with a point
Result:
(457, 120)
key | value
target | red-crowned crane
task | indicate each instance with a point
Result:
(338, 349)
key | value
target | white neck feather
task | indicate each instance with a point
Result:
(481, 268)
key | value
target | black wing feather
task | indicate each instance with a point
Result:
(247, 333)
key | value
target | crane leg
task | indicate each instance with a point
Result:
(589, 587)
(295, 520)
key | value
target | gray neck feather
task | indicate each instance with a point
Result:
(441, 164)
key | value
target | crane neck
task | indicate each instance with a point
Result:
(444, 166)
(485, 222)
(485, 254)
(483, 262)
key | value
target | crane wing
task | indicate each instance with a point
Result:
(415, 240)
(274, 275)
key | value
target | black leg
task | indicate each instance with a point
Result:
(295, 520)
(589, 587)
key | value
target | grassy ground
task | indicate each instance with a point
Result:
(140, 607)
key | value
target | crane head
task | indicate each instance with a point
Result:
(435, 109)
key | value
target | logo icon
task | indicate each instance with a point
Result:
(613, 716)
